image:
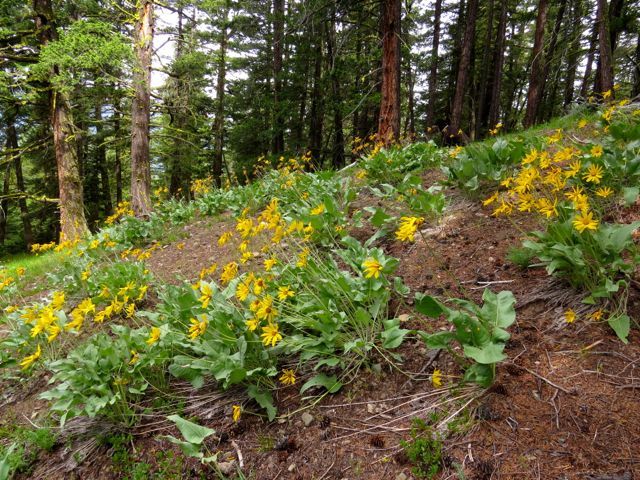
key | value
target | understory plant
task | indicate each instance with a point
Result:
(572, 189)
(481, 332)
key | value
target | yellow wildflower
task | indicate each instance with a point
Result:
(236, 412)
(408, 227)
(197, 328)
(491, 199)
(585, 221)
(266, 310)
(288, 377)
(570, 316)
(319, 210)
(269, 263)
(30, 360)
(582, 123)
(372, 268)
(154, 336)
(243, 290)
(593, 174)
(252, 324)
(436, 378)
(270, 335)
(229, 272)
(284, 293)
(604, 192)
(57, 301)
(596, 151)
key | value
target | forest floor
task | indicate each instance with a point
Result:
(564, 405)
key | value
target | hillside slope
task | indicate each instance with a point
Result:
(384, 321)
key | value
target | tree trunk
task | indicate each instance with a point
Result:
(482, 99)
(117, 167)
(13, 148)
(636, 71)
(141, 111)
(455, 53)
(338, 159)
(73, 224)
(316, 113)
(463, 70)
(549, 60)
(536, 82)
(4, 201)
(586, 79)
(389, 120)
(278, 39)
(218, 125)
(604, 45)
(101, 160)
(433, 69)
(574, 53)
(498, 63)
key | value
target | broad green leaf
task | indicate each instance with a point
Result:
(192, 432)
(488, 354)
(331, 384)
(630, 194)
(499, 309)
(429, 306)
(264, 399)
(621, 324)
(379, 218)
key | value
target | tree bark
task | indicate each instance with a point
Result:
(73, 224)
(463, 70)
(498, 63)
(389, 120)
(482, 100)
(12, 144)
(549, 59)
(4, 202)
(636, 71)
(536, 82)
(316, 113)
(574, 53)
(604, 45)
(278, 39)
(218, 125)
(101, 160)
(433, 69)
(117, 167)
(141, 111)
(338, 158)
(586, 79)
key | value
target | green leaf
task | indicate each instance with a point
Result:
(499, 309)
(621, 324)
(393, 335)
(331, 384)
(264, 399)
(630, 194)
(379, 218)
(488, 354)
(480, 374)
(439, 340)
(429, 306)
(192, 432)
(189, 449)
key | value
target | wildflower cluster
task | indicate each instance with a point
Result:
(123, 209)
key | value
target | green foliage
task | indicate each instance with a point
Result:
(484, 163)
(424, 450)
(99, 378)
(480, 331)
(392, 165)
(86, 45)
(22, 451)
